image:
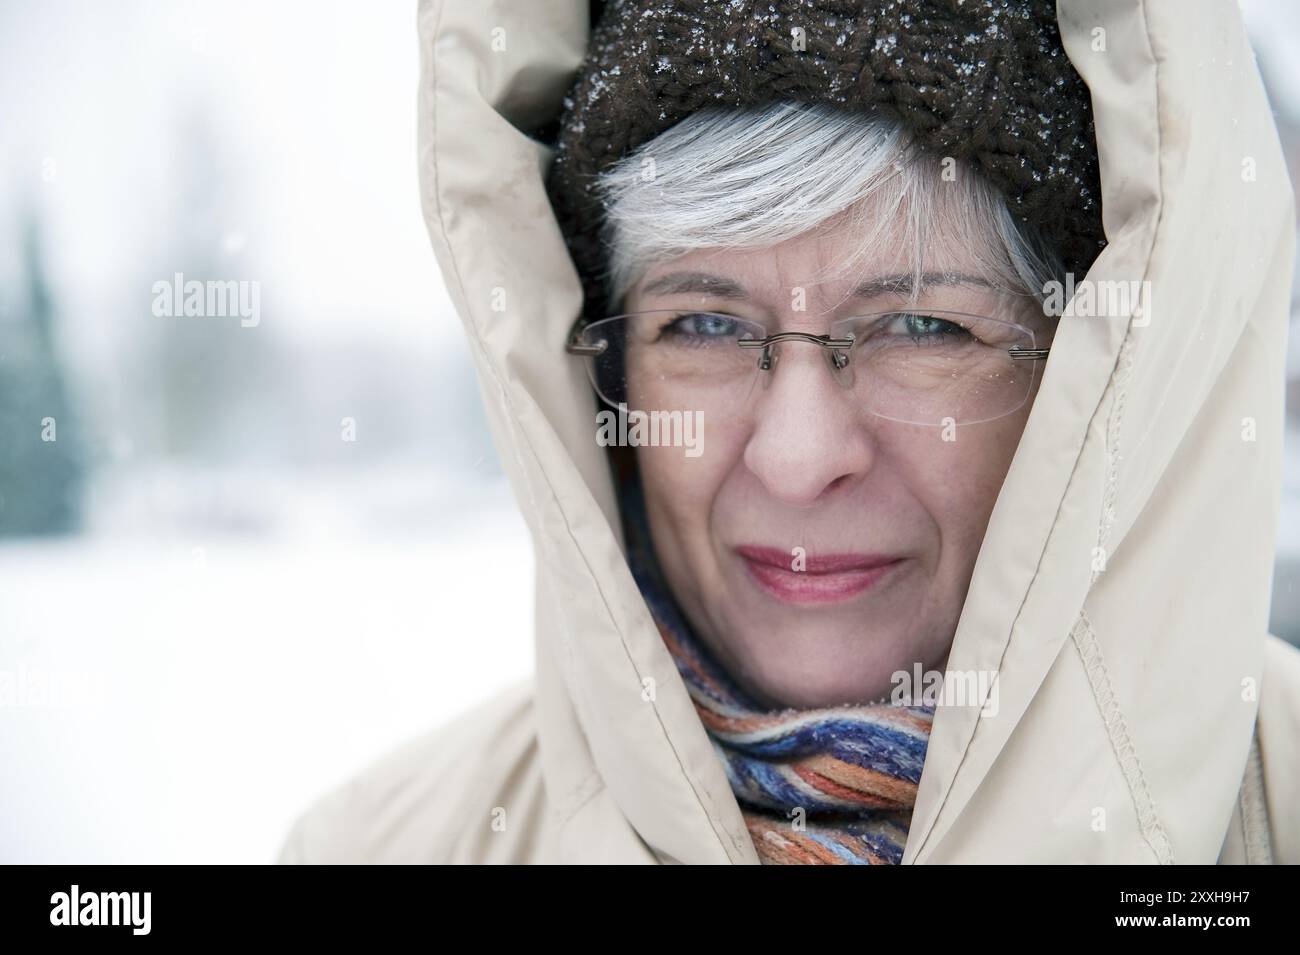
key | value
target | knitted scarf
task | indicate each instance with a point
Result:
(815, 786)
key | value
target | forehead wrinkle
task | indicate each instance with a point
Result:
(696, 283)
(904, 283)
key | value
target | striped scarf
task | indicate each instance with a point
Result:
(832, 785)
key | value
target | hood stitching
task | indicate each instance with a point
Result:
(1112, 445)
(1103, 693)
(1083, 635)
(1254, 808)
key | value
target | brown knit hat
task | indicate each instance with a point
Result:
(985, 82)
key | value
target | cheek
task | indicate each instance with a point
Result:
(679, 490)
(682, 492)
(957, 482)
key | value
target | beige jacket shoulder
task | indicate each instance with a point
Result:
(440, 797)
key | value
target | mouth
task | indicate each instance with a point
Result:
(824, 578)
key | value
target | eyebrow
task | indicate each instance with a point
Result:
(701, 283)
(901, 283)
(904, 283)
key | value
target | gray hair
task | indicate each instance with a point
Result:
(753, 177)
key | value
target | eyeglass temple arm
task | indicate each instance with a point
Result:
(1020, 353)
(575, 347)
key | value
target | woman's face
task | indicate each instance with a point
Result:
(809, 470)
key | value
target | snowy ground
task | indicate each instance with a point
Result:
(200, 691)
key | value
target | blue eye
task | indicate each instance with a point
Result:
(927, 328)
(701, 326)
(711, 326)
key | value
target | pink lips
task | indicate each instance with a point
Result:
(825, 578)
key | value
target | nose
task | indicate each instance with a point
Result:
(808, 438)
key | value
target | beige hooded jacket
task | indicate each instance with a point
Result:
(1122, 590)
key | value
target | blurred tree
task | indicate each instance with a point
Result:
(41, 465)
(199, 371)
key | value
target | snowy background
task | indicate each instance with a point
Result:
(231, 608)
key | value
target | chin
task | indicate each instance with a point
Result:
(821, 672)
